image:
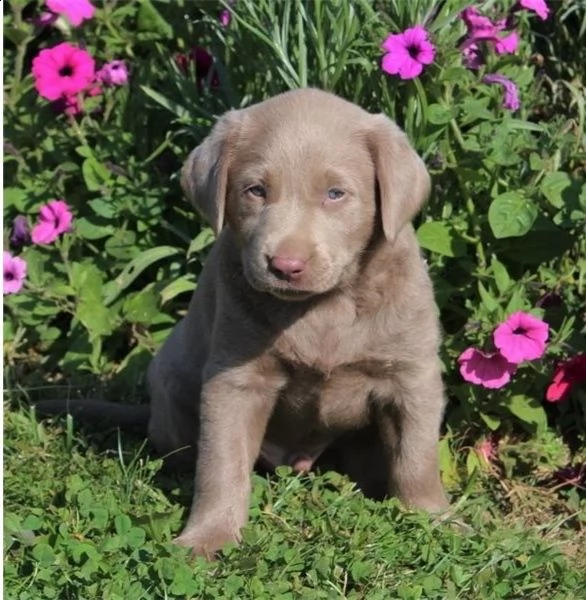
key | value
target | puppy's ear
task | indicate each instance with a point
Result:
(204, 175)
(403, 180)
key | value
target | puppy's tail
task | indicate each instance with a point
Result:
(133, 417)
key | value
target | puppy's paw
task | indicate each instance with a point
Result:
(205, 543)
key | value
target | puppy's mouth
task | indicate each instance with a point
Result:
(290, 294)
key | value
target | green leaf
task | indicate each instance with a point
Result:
(123, 524)
(489, 302)
(203, 239)
(173, 107)
(95, 174)
(511, 215)
(440, 238)
(122, 245)
(136, 266)
(44, 554)
(14, 197)
(91, 229)
(529, 411)
(553, 186)
(150, 20)
(501, 277)
(176, 287)
(439, 114)
(142, 307)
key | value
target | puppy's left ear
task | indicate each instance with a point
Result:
(204, 176)
(403, 181)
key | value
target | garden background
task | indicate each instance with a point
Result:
(103, 102)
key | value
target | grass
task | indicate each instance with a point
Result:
(89, 516)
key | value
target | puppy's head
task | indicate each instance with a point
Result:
(297, 178)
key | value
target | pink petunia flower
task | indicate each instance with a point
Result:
(407, 53)
(63, 70)
(511, 100)
(76, 11)
(471, 57)
(225, 18)
(55, 219)
(14, 273)
(482, 30)
(487, 449)
(480, 27)
(113, 73)
(488, 369)
(521, 337)
(74, 105)
(20, 231)
(538, 6)
(567, 374)
(204, 63)
(507, 44)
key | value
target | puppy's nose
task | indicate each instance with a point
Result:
(286, 267)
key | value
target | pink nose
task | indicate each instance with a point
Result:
(287, 267)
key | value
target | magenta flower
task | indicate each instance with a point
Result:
(521, 337)
(511, 100)
(63, 70)
(55, 219)
(488, 369)
(74, 105)
(507, 44)
(482, 30)
(20, 231)
(113, 73)
(480, 27)
(76, 11)
(471, 57)
(538, 6)
(407, 53)
(225, 18)
(487, 449)
(14, 273)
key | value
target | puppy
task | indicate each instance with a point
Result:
(313, 325)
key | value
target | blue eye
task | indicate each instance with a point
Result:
(258, 191)
(335, 194)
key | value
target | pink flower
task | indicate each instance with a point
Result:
(471, 57)
(487, 449)
(63, 70)
(20, 231)
(567, 374)
(511, 100)
(537, 6)
(55, 219)
(113, 73)
(521, 337)
(44, 19)
(74, 105)
(407, 53)
(479, 27)
(204, 63)
(490, 370)
(76, 11)
(482, 29)
(14, 273)
(225, 18)
(507, 44)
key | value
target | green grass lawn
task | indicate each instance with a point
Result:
(90, 516)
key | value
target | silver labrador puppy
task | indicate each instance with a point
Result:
(314, 315)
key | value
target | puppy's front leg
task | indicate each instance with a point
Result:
(409, 426)
(236, 405)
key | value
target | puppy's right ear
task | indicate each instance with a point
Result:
(204, 175)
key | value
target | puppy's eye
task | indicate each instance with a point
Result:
(258, 191)
(335, 194)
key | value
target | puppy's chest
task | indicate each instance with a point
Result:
(330, 345)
